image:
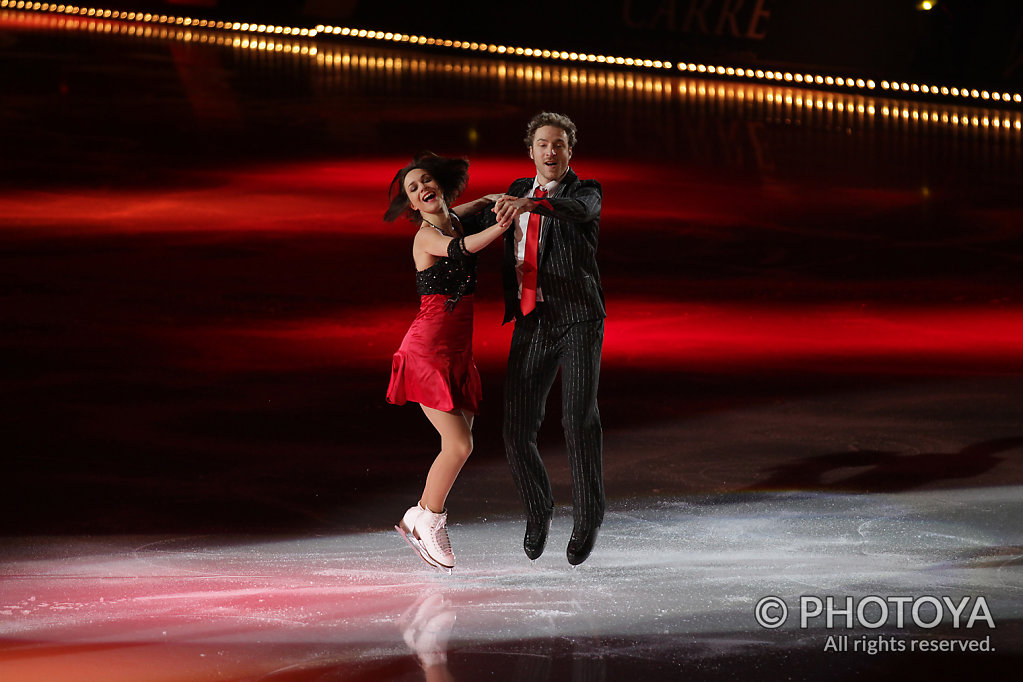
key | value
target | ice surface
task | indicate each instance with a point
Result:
(691, 569)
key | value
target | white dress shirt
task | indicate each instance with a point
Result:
(520, 236)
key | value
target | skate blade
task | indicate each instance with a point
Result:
(418, 547)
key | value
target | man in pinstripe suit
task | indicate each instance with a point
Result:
(557, 303)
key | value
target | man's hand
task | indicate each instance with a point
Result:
(510, 208)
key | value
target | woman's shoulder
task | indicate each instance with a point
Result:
(425, 231)
(419, 241)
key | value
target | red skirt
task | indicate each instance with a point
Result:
(434, 365)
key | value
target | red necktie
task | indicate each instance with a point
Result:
(529, 260)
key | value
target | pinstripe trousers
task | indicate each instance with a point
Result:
(538, 350)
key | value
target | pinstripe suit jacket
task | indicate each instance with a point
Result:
(567, 256)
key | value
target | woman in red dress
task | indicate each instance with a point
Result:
(434, 365)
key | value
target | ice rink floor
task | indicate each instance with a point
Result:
(673, 593)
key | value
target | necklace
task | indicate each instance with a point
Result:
(438, 228)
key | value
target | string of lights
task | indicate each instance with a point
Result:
(791, 103)
(265, 36)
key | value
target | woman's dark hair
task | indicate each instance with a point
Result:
(451, 175)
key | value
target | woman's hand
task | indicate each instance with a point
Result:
(510, 208)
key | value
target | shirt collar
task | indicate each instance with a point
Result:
(550, 186)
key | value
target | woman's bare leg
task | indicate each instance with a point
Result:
(455, 429)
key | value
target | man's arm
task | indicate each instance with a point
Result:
(582, 206)
(469, 208)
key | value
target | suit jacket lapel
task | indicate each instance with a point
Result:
(545, 221)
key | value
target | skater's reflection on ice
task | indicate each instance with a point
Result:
(426, 627)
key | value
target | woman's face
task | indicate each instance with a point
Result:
(424, 194)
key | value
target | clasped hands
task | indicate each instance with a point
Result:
(509, 208)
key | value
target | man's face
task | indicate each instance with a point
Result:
(551, 153)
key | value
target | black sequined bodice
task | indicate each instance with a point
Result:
(453, 275)
(448, 276)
